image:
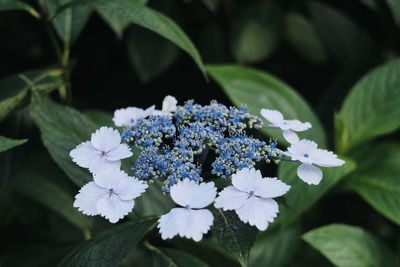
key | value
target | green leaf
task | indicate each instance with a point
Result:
(376, 179)
(153, 202)
(70, 22)
(275, 247)
(395, 8)
(300, 34)
(371, 109)
(137, 13)
(258, 90)
(110, 247)
(302, 196)
(47, 185)
(7, 143)
(212, 5)
(173, 257)
(62, 129)
(256, 32)
(233, 234)
(99, 117)
(345, 40)
(6, 5)
(14, 90)
(149, 53)
(346, 245)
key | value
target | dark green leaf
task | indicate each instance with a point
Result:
(7, 143)
(372, 107)
(377, 178)
(6, 5)
(275, 247)
(256, 32)
(14, 90)
(346, 245)
(212, 5)
(173, 258)
(70, 22)
(258, 90)
(153, 202)
(62, 129)
(302, 196)
(349, 44)
(110, 247)
(149, 54)
(134, 12)
(395, 8)
(300, 34)
(100, 117)
(47, 185)
(233, 234)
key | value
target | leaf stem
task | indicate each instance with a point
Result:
(159, 252)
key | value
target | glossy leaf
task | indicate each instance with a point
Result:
(372, 107)
(233, 234)
(395, 8)
(377, 179)
(256, 32)
(110, 247)
(137, 13)
(70, 22)
(302, 196)
(6, 5)
(7, 143)
(100, 117)
(173, 258)
(346, 245)
(62, 129)
(275, 247)
(301, 35)
(258, 90)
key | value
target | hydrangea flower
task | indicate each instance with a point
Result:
(192, 220)
(128, 117)
(104, 150)
(251, 197)
(307, 153)
(110, 195)
(277, 121)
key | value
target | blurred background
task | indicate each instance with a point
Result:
(320, 48)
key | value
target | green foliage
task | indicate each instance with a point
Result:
(62, 129)
(110, 247)
(259, 90)
(173, 258)
(256, 31)
(395, 8)
(7, 143)
(346, 245)
(379, 184)
(6, 5)
(371, 109)
(233, 234)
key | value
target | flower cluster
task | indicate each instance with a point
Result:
(187, 147)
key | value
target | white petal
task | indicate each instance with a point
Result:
(87, 198)
(297, 125)
(230, 198)
(192, 194)
(185, 223)
(128, 117)
(325, 158)
(290, 136)
(302, 150)
(122, 151)
(130, 188)
(169, 104)
(149, 111)
(109, 178)
(84, 154)
(258, 212)
(101, 163)
(246, 179)
(106, 139)
(309, 173)
(113, 208)
(273, 116)
(270, 188)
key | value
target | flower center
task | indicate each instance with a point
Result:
(111, 190)
(187, 207)
(132, 120)
(103, 153)
(306, 155)
(251, 193)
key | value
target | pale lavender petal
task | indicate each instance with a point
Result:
(101, 163)
(109, 178)
(106, 139)
(84, 154)
(258, 212)
(270, 188)
(87, 198)
(309, 173)
(273, 116)
(230, 198)
(246, 179)
(122, 151)
(130, 188)
(113, 209)
(290, 136)
(192, 194)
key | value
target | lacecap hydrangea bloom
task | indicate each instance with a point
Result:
(188, 147)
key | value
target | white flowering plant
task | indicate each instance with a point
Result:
(182, 164)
